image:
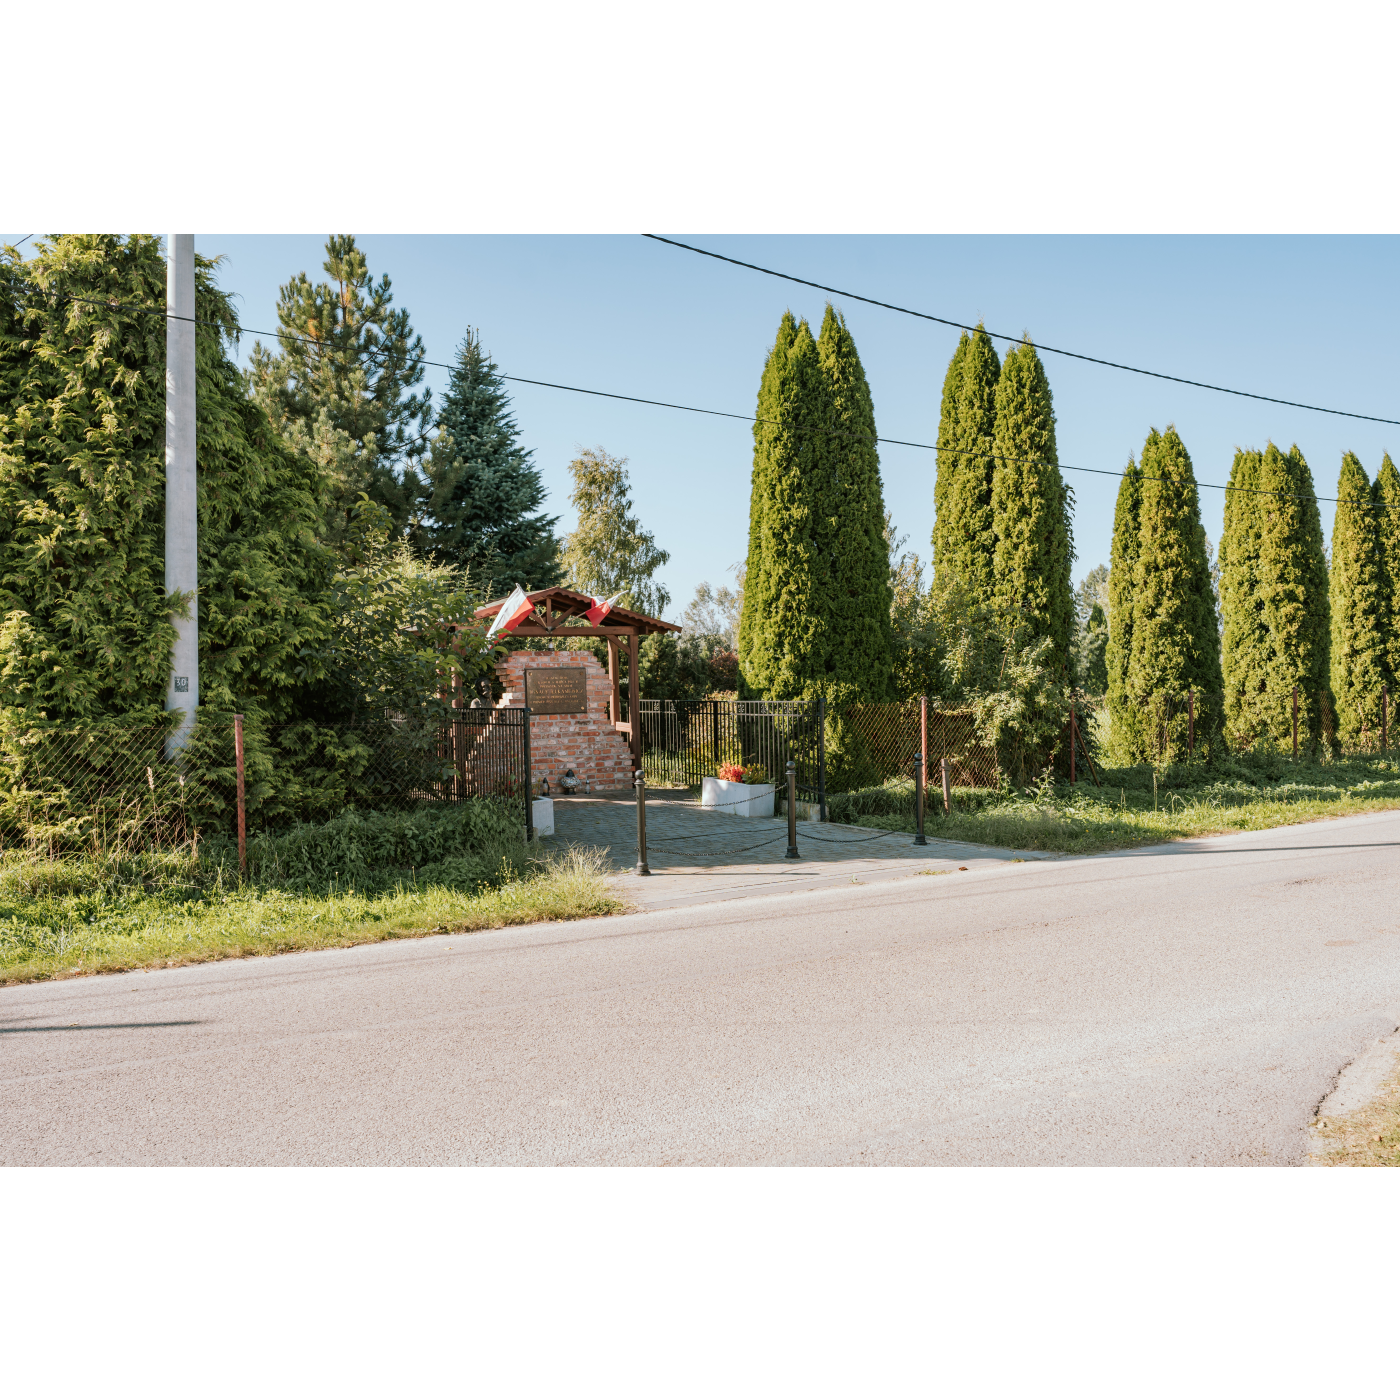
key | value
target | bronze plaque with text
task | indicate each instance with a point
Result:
(557, 690)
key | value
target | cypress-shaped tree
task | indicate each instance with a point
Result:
(781, 637)
(854, 602)
(1031, 506)
(1244, 644)
(1175, 642)
(1385, 494)
(964, 538)
(1274, 596)
(1361, 618)
(484, 491)
(1123, 713)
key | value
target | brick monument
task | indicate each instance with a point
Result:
(584, 740)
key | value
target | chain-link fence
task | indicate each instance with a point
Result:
(111, 784)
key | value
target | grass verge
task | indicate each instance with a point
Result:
(1126, 811)
(1370, 1137)
(169, 925)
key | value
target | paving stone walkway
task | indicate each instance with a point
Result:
(698, 856)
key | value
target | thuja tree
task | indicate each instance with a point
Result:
(1031, 506)
(341, 388)
(482, 511)
(1124, 722)
(1274, 599)
(964, 537)
(854, 607)
(1385, 495)
(1361, 616)
(781, 642)
(1175, 646)
(86, 630)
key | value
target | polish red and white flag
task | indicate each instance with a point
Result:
(601, 608)
(513, 612)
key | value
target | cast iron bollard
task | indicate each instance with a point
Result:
(919, 781)
(792, 852)
(640, 783)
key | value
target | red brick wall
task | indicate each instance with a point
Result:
(588, 744)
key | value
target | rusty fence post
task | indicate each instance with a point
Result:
(1385, 715)
(1191, 722)
(947, 791)
(1071, 742)
(1295, 724)
(242, 807)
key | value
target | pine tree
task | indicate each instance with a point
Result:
(1031, 506)
(1385, 495)
(609, 552)
(484, 492)
(781, 638)
(86, 631)
(340, 389)
(1124, 717)
(1175, 641)
(855, 602)
(964, 537)
(1361, 617)
(1274, 597)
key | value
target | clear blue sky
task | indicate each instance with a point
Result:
(1297, 317)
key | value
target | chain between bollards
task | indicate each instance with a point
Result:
(792, 852)
(639, 781)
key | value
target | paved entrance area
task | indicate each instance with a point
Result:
(697, 855)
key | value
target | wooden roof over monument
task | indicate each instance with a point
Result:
(559, 612)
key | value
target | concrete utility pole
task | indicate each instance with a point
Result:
(181, 496)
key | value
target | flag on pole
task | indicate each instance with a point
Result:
(513, 612)
(601, 608)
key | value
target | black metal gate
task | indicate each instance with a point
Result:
(684, 741)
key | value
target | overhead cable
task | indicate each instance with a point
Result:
(1015, 339)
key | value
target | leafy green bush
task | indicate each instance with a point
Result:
(458, 846)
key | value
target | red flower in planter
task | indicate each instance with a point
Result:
(730, 773)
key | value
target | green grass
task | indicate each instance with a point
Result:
(1240, 794)
(353, 880)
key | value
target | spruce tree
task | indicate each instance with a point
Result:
(484, 492)
(1175, 641)
(855, 601)
(1361, 617)
(1273, 587)
(1385, 495)
(1124, 717)
(341, 388)
(964, 536)
(781, 637)
(1031, 506)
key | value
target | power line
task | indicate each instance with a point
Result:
(1014, 339)
(721, 413)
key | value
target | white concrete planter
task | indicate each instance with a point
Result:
(543, 811)
(737, 799)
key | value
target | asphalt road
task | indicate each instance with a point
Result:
(1187, 1005)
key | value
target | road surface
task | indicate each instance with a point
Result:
(1184, 1005)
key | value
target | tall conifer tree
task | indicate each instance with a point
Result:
(964, 537)
(1175, 642)
(781, 637)
(1274, 596)
(1122, 710)
(482, 511)
(1031, 505)
(1361, 618)
(855, 603)
(1385, 494)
